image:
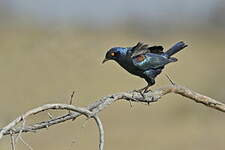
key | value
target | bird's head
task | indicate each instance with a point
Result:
(115, 53)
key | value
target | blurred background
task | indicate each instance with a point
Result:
(50, 48)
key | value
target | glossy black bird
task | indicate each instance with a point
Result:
(144, 61)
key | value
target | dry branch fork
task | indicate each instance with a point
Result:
(93, 109)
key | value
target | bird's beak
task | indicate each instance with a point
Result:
(105, 60)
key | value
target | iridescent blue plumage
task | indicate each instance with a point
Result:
(122, 50)
(151, 61)
(144, 61)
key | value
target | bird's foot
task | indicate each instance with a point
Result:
(141, 92)
(144, 90)
(147, 91)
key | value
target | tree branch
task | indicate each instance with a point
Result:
(37, 110)
(93, 109)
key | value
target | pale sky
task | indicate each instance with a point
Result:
(107, 11)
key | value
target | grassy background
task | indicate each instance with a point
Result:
(44, 65)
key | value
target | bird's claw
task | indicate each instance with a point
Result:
(146, 91)
(140, 91)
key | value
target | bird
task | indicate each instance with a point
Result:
(143, 60)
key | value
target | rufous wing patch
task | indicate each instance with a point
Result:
(140, 58)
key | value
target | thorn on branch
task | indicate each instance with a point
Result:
(71, 99)
(168, 77)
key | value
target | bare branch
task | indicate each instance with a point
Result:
(46, 107)
(100, 104)
(93, 109)
(101, 132)
(34, 111)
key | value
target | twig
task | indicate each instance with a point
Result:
(23, 125)
(171, 81)
(25, 143)
(101, 132)
(50, 115)
(12, 141)
(71, 98)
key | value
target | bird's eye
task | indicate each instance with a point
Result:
(113, 54)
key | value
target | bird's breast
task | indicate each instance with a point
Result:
(130, 67)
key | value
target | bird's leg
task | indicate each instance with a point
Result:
(143, 90)
(146, 88)
(140, 92)
(150, 81)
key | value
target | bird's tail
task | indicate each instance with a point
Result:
(174, 49)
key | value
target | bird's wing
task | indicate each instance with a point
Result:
(150, 61)
(145, 57)
(156, 49)
(141, 48)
